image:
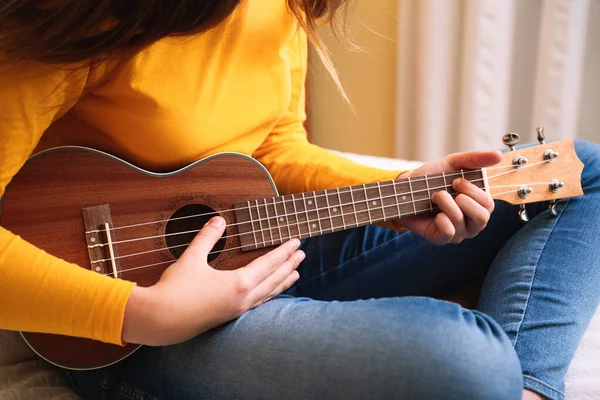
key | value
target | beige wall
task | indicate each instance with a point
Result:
(369, 79)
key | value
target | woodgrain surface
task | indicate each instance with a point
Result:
(566, 168)
(44, 202)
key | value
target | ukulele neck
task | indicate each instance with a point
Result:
(272, 221)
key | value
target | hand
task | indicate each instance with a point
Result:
(463, 216)
(191, 297)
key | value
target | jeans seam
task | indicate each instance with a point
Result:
(539, 382)
(73, 385)
(345, 262)
(122, 389)
(518, 330)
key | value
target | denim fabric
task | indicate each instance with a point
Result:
(361, 322)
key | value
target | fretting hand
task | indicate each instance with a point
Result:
(463, 216)
(191, 297)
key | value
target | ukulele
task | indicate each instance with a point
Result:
(113, 218)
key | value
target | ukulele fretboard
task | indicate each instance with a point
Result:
(272, 221)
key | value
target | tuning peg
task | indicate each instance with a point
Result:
(552, 208)
(510, 140)
(540, 135)
(523, 214)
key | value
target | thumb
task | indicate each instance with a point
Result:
(473, 159)
(206, 239)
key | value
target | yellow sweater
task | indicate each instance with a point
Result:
(238, 87)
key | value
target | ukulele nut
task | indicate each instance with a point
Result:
(524, 191)
(550, 155)
(519, 161)
(555, 185)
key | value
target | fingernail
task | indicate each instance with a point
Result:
(295, 242)
(217, 221)
(301, 255)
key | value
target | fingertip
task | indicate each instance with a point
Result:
(218, 222)
(497, 154)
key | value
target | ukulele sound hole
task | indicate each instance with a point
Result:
(190, 218)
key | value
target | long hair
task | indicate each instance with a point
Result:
(86, 31)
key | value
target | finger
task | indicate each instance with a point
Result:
(448, 206)
(472, 191)
(444, 229)
(273, 281)
(206, 239)
(285, 285)
(476, 215)
(473, 159)
(261, 268)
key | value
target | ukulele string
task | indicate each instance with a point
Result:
(458, 173)
(274, 241)
(262, 230)
(328, 208)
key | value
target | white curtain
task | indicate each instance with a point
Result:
(468, 71)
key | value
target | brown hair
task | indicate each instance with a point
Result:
(76, 31)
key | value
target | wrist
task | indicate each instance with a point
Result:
(141, 322)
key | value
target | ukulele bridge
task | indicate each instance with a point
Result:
(100, 240)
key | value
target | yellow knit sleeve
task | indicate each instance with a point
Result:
(297, 165)
(39, 292)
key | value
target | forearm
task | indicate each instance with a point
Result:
(300, 167)
(42, 293)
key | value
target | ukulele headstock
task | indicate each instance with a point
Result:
(546, 172)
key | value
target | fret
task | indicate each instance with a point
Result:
(396, 199)
(262, 233)
(306, 212)
(444, 177)
(476, 178)
(428, 193)
(297, 215)
(341, 208)
(317, 212)
(353, 206)
(412, 196)
(252, 226)
(388, 200)
(278, 221)
(367, 203)
(376, 212)
(329, 210)
(382, 201)
(448, 186)
(287, 218)
(268, 221)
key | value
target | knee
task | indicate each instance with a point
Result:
(489, 367)
(589, 154)
(467, 356)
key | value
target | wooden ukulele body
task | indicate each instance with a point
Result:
(43, 204)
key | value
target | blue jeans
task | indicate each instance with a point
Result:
(362, 323)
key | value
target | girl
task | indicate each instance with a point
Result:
(162, 83)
